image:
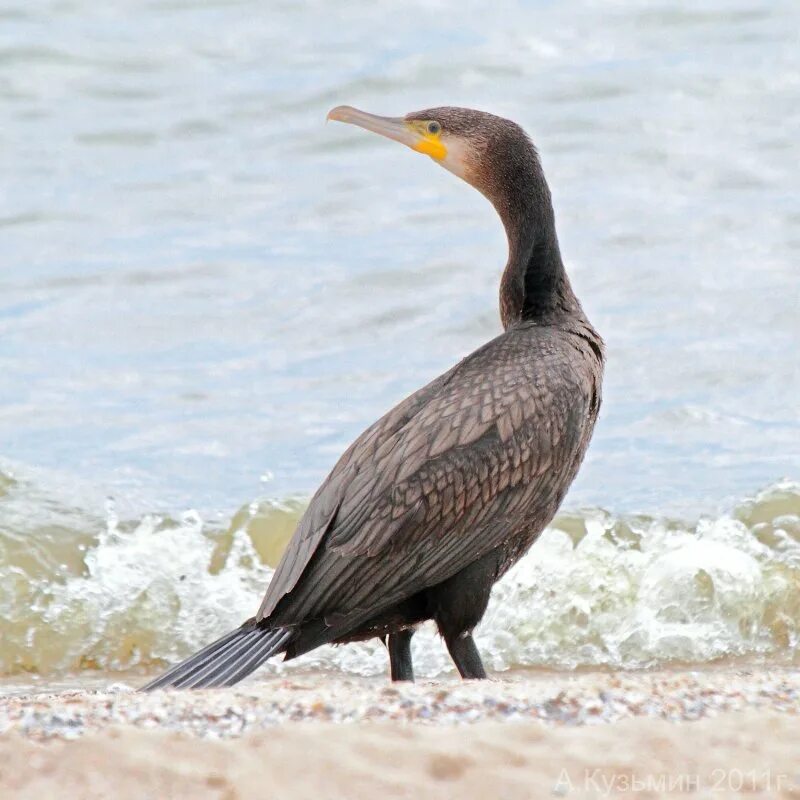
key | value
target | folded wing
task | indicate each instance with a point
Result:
(437, 482)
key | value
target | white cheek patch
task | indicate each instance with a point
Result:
(456, 160)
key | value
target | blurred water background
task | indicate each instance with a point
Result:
(206, 293)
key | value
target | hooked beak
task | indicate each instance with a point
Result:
(390, 127)
(396, 128)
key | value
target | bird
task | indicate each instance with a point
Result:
(435, 501)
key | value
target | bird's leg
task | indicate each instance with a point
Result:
(400, 655)
(459, 603)
(465, 654)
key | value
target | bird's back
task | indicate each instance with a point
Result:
(476, 460)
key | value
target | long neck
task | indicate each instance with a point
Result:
(534, 285)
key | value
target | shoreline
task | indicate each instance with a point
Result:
(550, 698)
(324, 736)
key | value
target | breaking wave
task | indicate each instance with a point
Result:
(79, 591)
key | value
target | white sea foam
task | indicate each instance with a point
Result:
(595, 590)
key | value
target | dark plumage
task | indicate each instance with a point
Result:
(438, 498)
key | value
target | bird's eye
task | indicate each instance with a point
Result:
(434, 127)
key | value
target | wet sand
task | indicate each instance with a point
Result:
(530, 735)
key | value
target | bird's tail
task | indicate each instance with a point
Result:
(227, 660)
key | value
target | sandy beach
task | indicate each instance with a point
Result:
(527, 735)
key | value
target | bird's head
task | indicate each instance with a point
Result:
(491, 153)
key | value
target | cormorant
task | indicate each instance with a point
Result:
(439, 497)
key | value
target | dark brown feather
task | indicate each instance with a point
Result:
(405, 524)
